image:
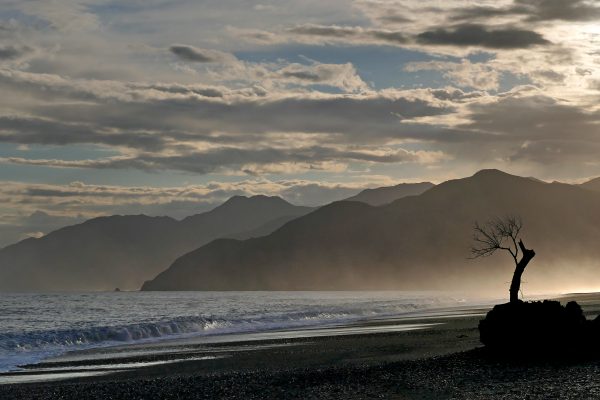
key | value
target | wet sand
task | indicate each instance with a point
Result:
(440, 361)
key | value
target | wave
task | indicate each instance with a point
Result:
(168, 328)
(57, 323)
(31, 346)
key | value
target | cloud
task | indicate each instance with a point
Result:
(354, 33)
(533, 115)
(129, 82)
(45, 207)
(482, 36)
(256, 35)
(247, 160)
(594, 84)
(535, 11)
(529, 128)
(566, 10)
(456, 95)
(462, 35)
(122, 108)
(30, 130)
(11, 52)
(343, 76)
(464, 74)
(327, 31)
(241, 131)
(195, 54)
(548, 76)
(63, 15)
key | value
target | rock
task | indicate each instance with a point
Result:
(543, 327)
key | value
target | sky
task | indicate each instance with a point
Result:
(170, 107)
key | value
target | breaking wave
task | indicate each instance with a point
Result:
(109, 323)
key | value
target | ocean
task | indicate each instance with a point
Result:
(37, 326)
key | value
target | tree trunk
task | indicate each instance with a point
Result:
(515, 285)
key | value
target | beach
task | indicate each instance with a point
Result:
(433, 355)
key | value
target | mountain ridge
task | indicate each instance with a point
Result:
(417, 242)
(592, 184)
(387, 194)
(124, 250)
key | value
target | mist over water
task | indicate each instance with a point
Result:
(36, 326)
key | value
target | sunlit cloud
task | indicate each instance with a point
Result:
(291, 92)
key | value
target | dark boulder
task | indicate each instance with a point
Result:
(545, 328)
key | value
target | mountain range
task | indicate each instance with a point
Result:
(416, 242)
(593, 184)
(409, 236)
(123, 251)
(385, 195)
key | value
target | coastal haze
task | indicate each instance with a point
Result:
(417, 242)
(122, 251)
(410, 236)
(299, 199)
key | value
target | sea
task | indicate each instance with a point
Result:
(38, 326)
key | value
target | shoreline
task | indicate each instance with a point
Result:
(434, 364)
(417, 319)
(405, 338)
(445, 360)
(179, 316)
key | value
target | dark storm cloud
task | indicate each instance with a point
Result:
(479, 35)
(535, 10)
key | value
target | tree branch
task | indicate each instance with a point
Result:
(491, 236)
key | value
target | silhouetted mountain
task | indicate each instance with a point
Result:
(592, 184)
(262, 230)
(123, 251)
(387, 194)
(417, 242)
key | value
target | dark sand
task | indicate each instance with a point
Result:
(445, 361)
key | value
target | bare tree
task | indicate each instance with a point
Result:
(502, 234)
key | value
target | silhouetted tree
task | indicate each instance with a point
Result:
(502, 234)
